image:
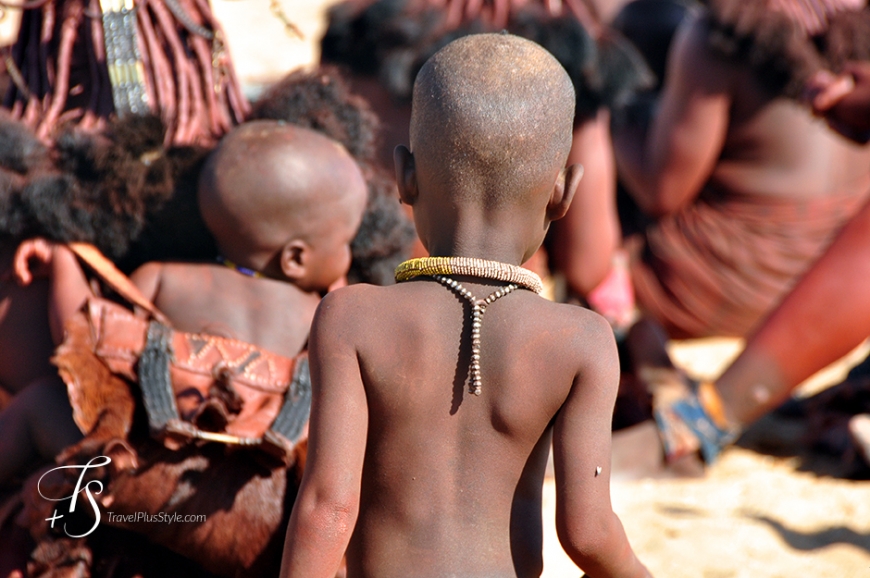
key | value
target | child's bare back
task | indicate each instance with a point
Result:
(214, 299)
(452, 483)
(434, 401)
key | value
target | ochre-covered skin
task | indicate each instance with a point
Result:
(822, 319)
(827, 313)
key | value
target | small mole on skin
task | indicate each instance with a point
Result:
(597, 471)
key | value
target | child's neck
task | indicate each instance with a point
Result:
(263, 281)
(239, 268)
(250, 272)
(479, 234)
(480, 248)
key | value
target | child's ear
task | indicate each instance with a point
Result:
(406, 174)
(563, 191)
(294, 259)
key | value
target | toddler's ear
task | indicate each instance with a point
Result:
(406, 174)
(294, 259)
(563, 191)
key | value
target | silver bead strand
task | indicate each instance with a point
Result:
(478, 308)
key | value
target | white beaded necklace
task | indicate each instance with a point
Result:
(478, 308)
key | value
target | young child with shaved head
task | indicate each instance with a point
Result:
(283, 204)
(435, 400)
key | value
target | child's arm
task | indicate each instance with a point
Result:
(326, 508)
(37, 424)
(588, 529)
(40, 257)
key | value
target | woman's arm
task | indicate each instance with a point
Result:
(666, 168)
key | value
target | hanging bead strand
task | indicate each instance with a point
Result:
(478, 308)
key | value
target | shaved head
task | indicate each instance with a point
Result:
(268, 182)
(492, 116)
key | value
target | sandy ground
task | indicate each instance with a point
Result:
(752, 515)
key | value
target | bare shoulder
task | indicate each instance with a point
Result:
(147, 278)
(577, 321)
(151, 269)
(350, 304)
(171, 272)
(582, 331)
(693, 61)
(351, 297)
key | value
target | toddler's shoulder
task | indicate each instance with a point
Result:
(357, 299)
(580, 331)
(574, 317)
(147, 277)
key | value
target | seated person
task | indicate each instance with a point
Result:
(741, 187)
(430, 432)
(744, 187)
(804, 333)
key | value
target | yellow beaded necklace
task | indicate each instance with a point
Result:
(470, 266)
(440, 267)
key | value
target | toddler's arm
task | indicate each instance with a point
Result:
(326, 508)
(147, 279)
(588, 529)
(37, 424)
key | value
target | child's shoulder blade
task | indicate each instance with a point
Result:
(583, 330)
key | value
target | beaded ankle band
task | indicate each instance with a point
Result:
(470, 266)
